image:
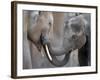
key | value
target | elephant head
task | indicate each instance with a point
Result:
(42, 26)
(71, 36)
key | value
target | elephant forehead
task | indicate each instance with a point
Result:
(46, 16)
(77, 24)
(77, 27)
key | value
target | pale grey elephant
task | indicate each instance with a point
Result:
(51, 39)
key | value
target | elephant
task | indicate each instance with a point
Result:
(52, 39)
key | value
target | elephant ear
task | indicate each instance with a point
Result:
(33, 19)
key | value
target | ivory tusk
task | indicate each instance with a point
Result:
(48, 52)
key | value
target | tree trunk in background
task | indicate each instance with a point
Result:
(58, 28)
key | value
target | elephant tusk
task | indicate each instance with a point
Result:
(53, 59)
(48, 53)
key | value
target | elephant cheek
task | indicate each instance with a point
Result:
(69, 45)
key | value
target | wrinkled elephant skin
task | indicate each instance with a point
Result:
(60, 37)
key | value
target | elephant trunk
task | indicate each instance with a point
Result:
(53, 59)
(57, 51)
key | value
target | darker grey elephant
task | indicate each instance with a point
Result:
(51, 36)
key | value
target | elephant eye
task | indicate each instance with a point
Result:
(49, 23)
(74, 37)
